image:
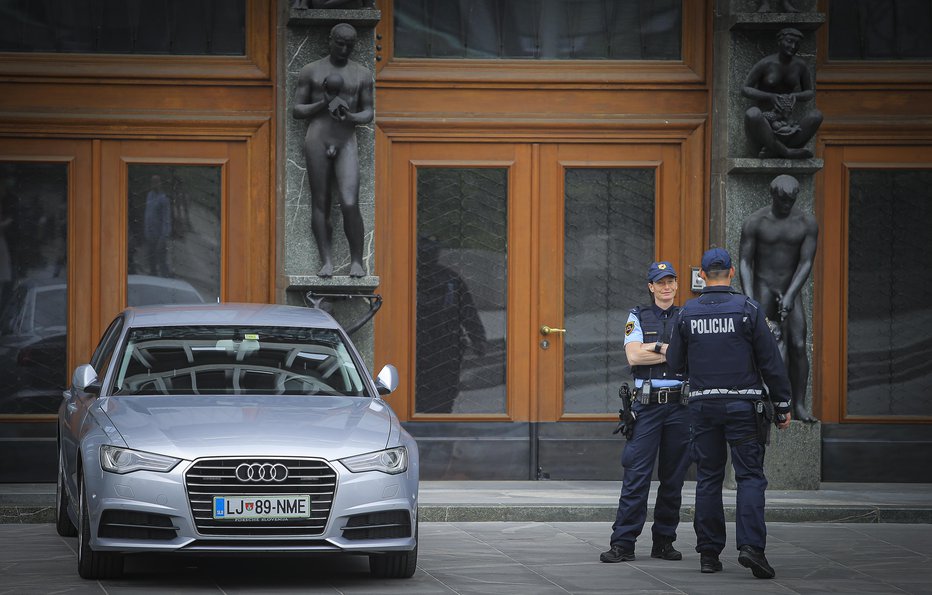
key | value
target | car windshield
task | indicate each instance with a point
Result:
(235, 360)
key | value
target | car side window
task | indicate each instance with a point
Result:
(104, 352)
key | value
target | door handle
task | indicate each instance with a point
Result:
(549, 330)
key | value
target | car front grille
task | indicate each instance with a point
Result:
(217, 477)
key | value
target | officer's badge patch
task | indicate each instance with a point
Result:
(629, 328)
(661, 266)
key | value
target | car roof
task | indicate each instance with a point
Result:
(229, 314)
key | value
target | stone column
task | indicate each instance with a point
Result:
(305, 39)
(740, 185)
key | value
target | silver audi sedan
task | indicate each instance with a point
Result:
(233, 429)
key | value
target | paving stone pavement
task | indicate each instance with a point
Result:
(508, 558)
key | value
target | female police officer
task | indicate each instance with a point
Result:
(662, 425)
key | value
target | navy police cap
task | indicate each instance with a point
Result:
(659, 270)
(716, 259)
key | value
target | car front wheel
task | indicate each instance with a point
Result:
(63, 523)
(91, 564)
(395, 564)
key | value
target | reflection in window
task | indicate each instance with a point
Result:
(539, 29)
(173, 239)
(890, 293)
(33, 286)
(462, 223)
(608, 244)
(186, 27)
(880, 30)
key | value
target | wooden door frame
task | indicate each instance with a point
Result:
(830, 309)
(241, 266)
(395, 324)
(674, 241)
(81, 208)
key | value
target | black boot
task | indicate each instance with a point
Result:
(663, 549)
(618, 553)
(709, 562)
(754, 558)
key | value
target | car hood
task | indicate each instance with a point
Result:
(197, 426)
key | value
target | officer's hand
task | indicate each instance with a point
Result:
(786, 422)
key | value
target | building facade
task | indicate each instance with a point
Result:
(526, 163)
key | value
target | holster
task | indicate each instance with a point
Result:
(763, 415)
(626, 417)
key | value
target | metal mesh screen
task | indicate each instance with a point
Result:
(539, 30)
(462, 224)
(889, 293)
(608, 245)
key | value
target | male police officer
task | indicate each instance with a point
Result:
(662, 424)
(725, 339)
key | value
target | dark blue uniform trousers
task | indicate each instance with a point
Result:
(662, 428)
(716, 424)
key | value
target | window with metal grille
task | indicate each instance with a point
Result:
(880, 30)
(185, 27)
(539, 29)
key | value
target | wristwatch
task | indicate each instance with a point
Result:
(657, 346)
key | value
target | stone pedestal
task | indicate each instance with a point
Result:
(740, 186)
(306, 39)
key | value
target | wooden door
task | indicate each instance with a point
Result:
(484, 244)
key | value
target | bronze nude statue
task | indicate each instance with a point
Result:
(777, 249)
(777, 83)
(335, 94)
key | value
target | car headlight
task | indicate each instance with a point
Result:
(124, 460)
(391, 461)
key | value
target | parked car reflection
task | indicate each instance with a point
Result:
(33, 337)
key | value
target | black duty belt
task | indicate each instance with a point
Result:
(661, 396)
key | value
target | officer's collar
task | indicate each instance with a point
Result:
(660, 312)
(718, 289)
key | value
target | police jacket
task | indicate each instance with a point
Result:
(656, 328)
(723, 338)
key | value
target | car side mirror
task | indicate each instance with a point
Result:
(85, 379)
(387, 380)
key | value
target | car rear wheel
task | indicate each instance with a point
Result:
(63, 523)
(91, 564)
(395, 564)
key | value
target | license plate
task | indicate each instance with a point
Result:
(262, 507)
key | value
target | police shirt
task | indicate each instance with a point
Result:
(724, 338)
(634, 332)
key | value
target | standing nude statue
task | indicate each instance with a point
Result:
(777, 83)
(335, 95)
(777, 249)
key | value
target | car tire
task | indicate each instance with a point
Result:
(63, 523)
(91, 564)
(395, 564)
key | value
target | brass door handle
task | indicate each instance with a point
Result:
(549, 330)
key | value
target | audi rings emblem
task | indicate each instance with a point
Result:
(256, 472)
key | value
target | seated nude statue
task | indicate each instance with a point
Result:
(777, 83)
